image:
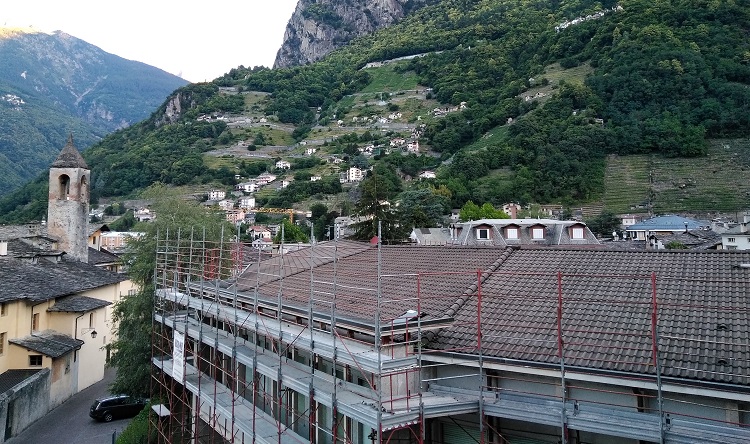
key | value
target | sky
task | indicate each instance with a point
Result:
(196, 40)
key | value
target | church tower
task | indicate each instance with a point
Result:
(68, 209)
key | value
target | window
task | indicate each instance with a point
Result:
(576, 233)
(3, 309)
(35, 360)
(91, 320)
(537, 233)
(2, 342)
(35, 322)
(731, 239)
(483, 233)
(511, 233)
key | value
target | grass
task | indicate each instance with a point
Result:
(386, 79)
(555, 74)
(718, 182)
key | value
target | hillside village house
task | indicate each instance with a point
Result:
(352, 174)
(55, 302)
(217, 194)
(247, 202)
(661, 225)
(283, 165)
(362, 343)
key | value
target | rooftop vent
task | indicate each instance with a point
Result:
(722, 327)
(722, 361)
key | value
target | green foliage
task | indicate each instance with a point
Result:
(291, 234)
(472, 211)
(131, 351)
(322, 14)
(422, 208)
(375, 207)
(604, 224)
(137, 430)
(676, 245)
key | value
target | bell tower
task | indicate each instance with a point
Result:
(68, 208)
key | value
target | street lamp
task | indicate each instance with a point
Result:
(87, 330)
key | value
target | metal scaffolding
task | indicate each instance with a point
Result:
(254, 345)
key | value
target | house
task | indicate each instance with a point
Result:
(247, 187)
(427, 175)
(310, 151)
(283, 165)
(661, 225)
(737, 236)
(430, 236)
(226, 204)
(235, 216)
(118, 240)
(315, 178)
(56, 298)
(144, 215)
(506, 232)
(456, 344)
(353, 174)
(412, 147)
(247, 202)
(217, 195)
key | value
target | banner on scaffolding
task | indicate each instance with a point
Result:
(178, 356)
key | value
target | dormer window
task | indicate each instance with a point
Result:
(483, 234)
(537, 233)
(511, 232)
(577, 232)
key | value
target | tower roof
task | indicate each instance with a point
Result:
(70, 157)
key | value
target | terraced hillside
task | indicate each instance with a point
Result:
(719, 182)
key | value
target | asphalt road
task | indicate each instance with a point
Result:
(69, 423)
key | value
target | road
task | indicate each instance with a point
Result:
(70, 422)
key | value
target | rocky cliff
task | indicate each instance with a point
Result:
(318, 27)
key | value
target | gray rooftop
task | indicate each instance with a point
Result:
(49, 343)
(42, 279)
(77, 304)
(12, 378)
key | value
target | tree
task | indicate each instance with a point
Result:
(292, 233)
(604, 224)
(472, 211)
(131, 351)
(422, 208)
(374, 206)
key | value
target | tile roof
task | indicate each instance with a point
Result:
(49, 343)
(702, 310)
(41, 279)
(11, 378)
(351, 281)
(702, 302)
(77, 304)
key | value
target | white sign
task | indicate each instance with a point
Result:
(178, 357)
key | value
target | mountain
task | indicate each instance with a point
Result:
(318, 27)
(531, 102)
(52, 85)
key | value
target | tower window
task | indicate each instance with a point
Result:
(64, 189)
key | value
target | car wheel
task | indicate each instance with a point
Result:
(108, 417)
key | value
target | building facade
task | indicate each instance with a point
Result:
(345, 342)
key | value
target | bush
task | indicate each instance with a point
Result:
(137, 431)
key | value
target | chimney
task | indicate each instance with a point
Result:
(3, 247)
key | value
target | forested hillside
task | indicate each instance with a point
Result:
(659, 78)
(54, 85)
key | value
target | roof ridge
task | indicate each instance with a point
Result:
(472, 289)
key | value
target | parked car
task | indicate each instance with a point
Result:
(115, 407)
